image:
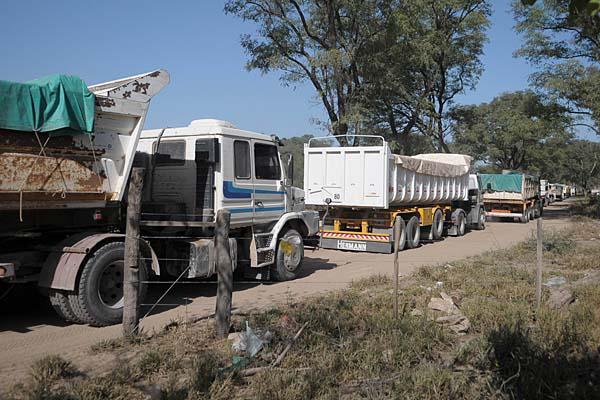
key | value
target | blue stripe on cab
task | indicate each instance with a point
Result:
(257, 209)
(232, 192)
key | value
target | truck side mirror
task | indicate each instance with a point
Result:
(489, 187)
(289, 169)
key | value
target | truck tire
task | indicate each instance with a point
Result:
(480, 226)
(60, 302)
(461, 224)
(437, 228)
(413, 232)
(402, 241)
(524, 218)
(287, 266)
(98, 300)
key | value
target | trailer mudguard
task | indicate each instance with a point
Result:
(61, 268)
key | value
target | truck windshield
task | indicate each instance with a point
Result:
(266, 162)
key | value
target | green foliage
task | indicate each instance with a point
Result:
(318, 41)
(516, 131)
(582, 164)
(378, 66)
(563, 38)
(589, 7)
(295, 147)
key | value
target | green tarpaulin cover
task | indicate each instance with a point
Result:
(57, 104)
(502, 182)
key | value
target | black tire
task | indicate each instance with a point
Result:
(60, 302)
(287, 266)
(413, 232)
(480, 226)
(402, 241)
(524, 218)
(437, 228)
(461, 224)
(98, 300)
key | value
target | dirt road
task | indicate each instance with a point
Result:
(29, 329)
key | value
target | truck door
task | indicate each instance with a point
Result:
(269, 193)
(238, 194)
(207, 155)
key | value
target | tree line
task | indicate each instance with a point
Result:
(395, 68)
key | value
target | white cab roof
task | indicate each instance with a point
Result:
(206, 127)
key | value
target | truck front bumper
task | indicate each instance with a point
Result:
(503, 214)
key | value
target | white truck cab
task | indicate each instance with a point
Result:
(211, 165)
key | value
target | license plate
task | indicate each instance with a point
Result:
(354, 246)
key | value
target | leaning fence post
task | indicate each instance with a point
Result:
(538, 270)
(131, 306)
(397, 233)
(224, 274)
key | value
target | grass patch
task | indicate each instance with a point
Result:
(589, 207)
(352, 346)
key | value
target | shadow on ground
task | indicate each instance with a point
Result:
(25, 308)
(527, 370)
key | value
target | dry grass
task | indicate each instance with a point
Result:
(354, 348)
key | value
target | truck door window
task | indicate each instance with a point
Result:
(241, 159)
(170, 153)
(266, 162)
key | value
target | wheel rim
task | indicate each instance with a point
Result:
(292, 259)
(110, 287)
(462, 226)
(482, 219)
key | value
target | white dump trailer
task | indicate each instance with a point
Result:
(365, 187)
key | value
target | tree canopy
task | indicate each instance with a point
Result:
(564, 43)
(376, 65)
(515, 131)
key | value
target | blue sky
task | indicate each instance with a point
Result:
(199, 45)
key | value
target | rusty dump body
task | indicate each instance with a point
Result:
(55, 182)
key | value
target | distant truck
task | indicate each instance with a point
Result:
(512, 195)
(363, 188)
(557, 191)
(63, 196)
(545, 192)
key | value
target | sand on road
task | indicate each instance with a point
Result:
(30, 331)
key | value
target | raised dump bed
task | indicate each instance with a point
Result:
(69, 148)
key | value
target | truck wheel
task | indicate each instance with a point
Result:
(288, 260)
(525, 217)
(461, 224)
(402, 241)
(437, 229)
(481, 222)
(99, 298)
(60, 302)
(413, 232)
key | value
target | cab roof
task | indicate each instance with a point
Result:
(206, 127)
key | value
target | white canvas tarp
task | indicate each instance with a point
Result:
(451, 165)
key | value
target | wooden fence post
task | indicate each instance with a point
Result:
(131, 306)
(538, 270)
(224, 274)
(397, 233)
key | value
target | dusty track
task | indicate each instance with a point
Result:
(29, 329)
